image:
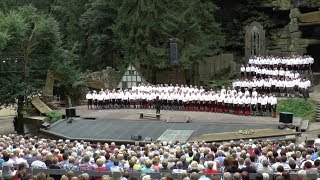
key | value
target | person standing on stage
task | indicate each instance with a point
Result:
(274, 102)
(253, 104)
(264, 102)
(259, 107)
(243, 71)
(95, 99)
(89, 97)
(247, 103)
(157, 105)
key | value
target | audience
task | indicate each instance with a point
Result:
(198, 160)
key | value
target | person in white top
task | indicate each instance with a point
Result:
(220, 99)
(259, 107)
(185, 101)
(264, 102)
(253, 104)
(106, 99)
(316, 142)
(247, 102)
(242, 71)
(248, 71)
(95, 100)
(269, 106)
(226, 104)
(100, 100)
(89, 98)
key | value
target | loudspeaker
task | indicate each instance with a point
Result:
(174, 53)
(136, 137)
(45, 125)
(70, 112)
(286, 117)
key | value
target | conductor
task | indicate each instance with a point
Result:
(157, 104)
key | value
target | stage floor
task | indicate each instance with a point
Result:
(119, 125)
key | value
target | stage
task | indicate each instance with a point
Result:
(120, 124)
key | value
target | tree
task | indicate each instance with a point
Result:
(35, 37)
(101, 41)
(145, 28)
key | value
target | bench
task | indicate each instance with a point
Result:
(150, 115)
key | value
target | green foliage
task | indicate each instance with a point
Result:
(145, 28)
(299, 108)
(33, 36)
(235, 17)
(102, 44)
(219, 80)
(52, 117)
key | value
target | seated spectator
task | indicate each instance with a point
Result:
(147, 168)
(7, 167)
(236, 176)
(316, 142)
(41, 176)
(265, 167)
(234, 167)
(210, 169)
(179, 168)
(317, 164)
(164, 167)
(100, 164)
(249, 167)
(245, 175)
(70, 175)
(38, 163)
(20, 159)
(116, 167)
(21, 173)
(54, 165)
(194, 167)
(194, 176)
(155, 165)
(310, 169)
(85, 163)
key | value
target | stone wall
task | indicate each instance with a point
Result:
(109, 77)
(288, 40)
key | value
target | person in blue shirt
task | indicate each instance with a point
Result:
(147, 168)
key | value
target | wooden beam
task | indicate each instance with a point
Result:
(311, 17)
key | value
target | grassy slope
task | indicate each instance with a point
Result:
(299, 108)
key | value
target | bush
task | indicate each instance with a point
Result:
(299, 108)
(52, 117)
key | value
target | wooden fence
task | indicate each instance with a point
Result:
(211, 66)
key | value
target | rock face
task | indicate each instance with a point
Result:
(109, 77)
(288, 40)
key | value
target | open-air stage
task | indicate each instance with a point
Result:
(119, 125)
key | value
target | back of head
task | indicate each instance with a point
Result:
(227, 176)
(265, 176)
(236, 176)
(194, 176)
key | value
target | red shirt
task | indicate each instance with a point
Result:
(59, 157)
(210, 171)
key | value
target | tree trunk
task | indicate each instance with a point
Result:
(20, 124)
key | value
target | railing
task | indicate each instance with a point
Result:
(154, 176)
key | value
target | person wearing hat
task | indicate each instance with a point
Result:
(194, 167)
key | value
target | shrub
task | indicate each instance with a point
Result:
(52, 117)
(299, 108)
